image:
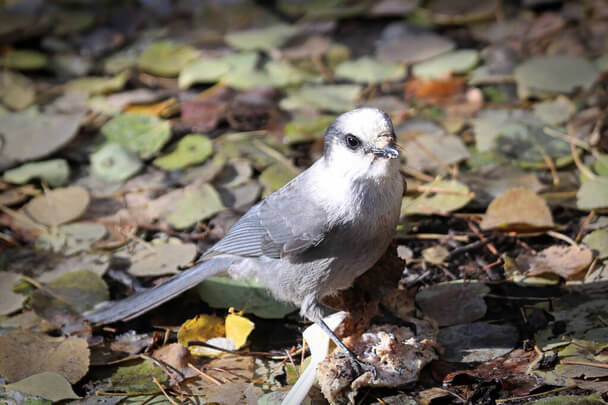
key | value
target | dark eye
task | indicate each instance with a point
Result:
(352, 141)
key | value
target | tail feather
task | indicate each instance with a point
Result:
(140, 303)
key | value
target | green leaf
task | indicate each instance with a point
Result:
(191, 149)
(48, 385)
(143, 134)
(455, 62)
(598, 241)
(243, 295)
(264, 39)
(554, 74)
(55, 172)
(369, 70)
(199, 203)
(78, 290)
(277, 175)
(600, 165)
(23, 59)
(210, 70)
(114, 163)
(555, 112)
(16, 90)
(455, 196)
(99, 85)
(305, 128)
(334, 98)
(593, 194)
(165, 58)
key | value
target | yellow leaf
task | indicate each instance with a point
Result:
(160, 109)
(201, 328)
(238, 329)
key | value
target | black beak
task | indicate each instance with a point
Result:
(388, 152)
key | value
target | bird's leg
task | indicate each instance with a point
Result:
(360, 364)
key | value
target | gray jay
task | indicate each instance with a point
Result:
(312, 237)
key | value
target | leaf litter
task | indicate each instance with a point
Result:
(131, 140)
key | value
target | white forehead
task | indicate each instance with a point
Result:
(364, 122)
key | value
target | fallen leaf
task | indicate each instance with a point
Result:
(555, 112)
(567, 262)
(55, 172)
(277, 175)
(477, 342)
(9, 300)
(143, 134)
(598, 241)
(112, 162)
(71, 238)
(435, 152)
(519, 210)
(190, 150)
(368, 70)
(16, 90)
(447, 64)
(201, 328)
(414, 48)
(23, 354)
(453, 303)
(136, 376)
(332, 97)
(98, 84)
(554, 74)
(23, 59)
(165, 58)
(238, 328)
(159, 258)
(243, 295)
(73, 292)
(58, 206)
(27, 137)
(235, 393)
(266, 38)
(199, 202)
(48, 385)
(442, 195)
(593, 194)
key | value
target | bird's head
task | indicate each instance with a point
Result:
(361, 143)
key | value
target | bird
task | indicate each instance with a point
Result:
(311, 238)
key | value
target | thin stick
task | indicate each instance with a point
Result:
(431, 189)
(586, 221)
(540, 394)
(418, 174)
(577, 160)
(585, 363)
(207, 376)
(440, 236)
(550, 164)
(163, 391)
(561, 236)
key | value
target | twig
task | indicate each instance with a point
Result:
(440, 236)
(470, 246)
(295, 368)
(235, 352)
(577, 160)
(586, 221)
(564, 137)
(561, 236)
(207, 376)
(477, 232)
(163, 391)
(585, 363)
(431, 189)
(550, 164)
(540, 394)
(418, 174)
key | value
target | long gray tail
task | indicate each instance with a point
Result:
(142, 302)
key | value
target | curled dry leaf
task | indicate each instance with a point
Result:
(58, 206)
(568, 262)
(519, 210)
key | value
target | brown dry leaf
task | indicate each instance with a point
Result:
(175, 354)
(24, 353)
(568, 262)
(234, 393)
(58, 206)
(511, 370)
(519, 210)
(17, 194)
(435, 90)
